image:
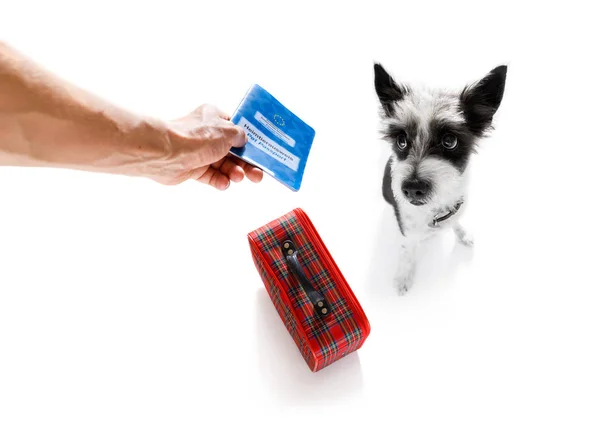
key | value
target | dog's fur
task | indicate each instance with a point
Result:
(432, 134)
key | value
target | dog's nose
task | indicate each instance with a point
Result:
(416, 190)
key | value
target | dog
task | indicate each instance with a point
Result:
(432, 133)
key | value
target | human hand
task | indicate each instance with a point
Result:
(198, 149)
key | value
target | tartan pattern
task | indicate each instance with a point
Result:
(285, 313)
(320, 341)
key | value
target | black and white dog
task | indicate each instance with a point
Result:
(433, 134)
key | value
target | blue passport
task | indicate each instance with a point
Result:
(279, 142)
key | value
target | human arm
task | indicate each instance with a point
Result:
(46, 121)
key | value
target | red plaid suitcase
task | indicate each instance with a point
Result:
(311, 295)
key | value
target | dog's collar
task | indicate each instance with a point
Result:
(439, 219)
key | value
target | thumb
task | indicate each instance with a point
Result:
(234, 136)
(239, 138)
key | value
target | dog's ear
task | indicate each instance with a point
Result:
(387, 89)
(481, 100)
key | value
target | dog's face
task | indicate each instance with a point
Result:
(433, 134)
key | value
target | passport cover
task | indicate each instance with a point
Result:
(279, 142)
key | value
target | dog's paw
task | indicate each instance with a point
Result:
(467, 239)
(464, 237)
(403, 281)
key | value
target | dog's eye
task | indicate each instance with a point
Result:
(402, 141)
(449, 141)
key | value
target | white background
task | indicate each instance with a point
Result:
(124, 303)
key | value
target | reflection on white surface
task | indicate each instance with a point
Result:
(285, 372)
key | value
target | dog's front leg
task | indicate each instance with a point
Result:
(406, 266)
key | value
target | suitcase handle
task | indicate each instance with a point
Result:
(318, 300)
